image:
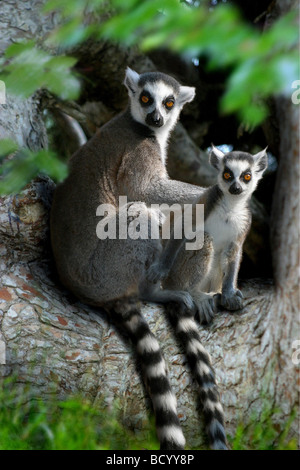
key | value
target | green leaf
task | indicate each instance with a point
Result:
(262, 64)
(31, 68)
(254, 114)
(18, 48)
(26, 165)
(71, 33)
(7, 146)
(47, 162)
(16, 173)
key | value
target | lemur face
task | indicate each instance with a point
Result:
(156, 104)
(239, 172)
(156, 99)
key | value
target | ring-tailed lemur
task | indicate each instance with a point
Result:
(227, 219)
(126, 157)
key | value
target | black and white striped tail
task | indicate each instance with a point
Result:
(128, 315)
(186, 330)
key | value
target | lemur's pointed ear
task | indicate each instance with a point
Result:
(260, 161)
(216, 156)
(131, 80)
(186, 95)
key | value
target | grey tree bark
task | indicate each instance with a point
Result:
(47, 337)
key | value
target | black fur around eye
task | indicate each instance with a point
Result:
(227, 175)
(169, 103)
(246, 176)
(146, 99)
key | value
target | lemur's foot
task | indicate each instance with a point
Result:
(206, 308)
(232, 300)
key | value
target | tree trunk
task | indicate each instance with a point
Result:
(47, 337)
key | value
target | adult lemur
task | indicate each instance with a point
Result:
(126, 157)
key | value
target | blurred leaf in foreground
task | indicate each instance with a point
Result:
(30, 68)
(17, 171)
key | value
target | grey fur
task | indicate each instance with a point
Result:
(153, 77)
(127, 157)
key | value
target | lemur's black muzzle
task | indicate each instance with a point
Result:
(235, 188)
(155, 119)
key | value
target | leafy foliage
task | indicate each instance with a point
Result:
(262, 432)
(30, 68)
(26, 165)
(260, 64)
(75, 424)
(72, 424)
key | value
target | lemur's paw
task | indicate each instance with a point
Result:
(186, 299)
(232, 301)
(206, 309)
(155, 273)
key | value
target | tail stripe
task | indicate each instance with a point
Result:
(141, 331)
(159, 385)
(155, 375)
(199, 360)
(147, 343)
(155, 370)
(166, 417)
(160, 401)
(151, 358)
(169, 435)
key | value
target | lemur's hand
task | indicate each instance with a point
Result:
(156, 273)
(232, 300)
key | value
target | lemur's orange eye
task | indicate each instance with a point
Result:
(227, 175)
(169, 104)
(145, 99)
(247, 177)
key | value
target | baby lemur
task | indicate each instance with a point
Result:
(126, 157)
(227, 220)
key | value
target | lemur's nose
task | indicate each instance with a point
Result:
(235, 188)
(155, 119)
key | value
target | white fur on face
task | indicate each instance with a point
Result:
(159, 91)
(238, 167)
